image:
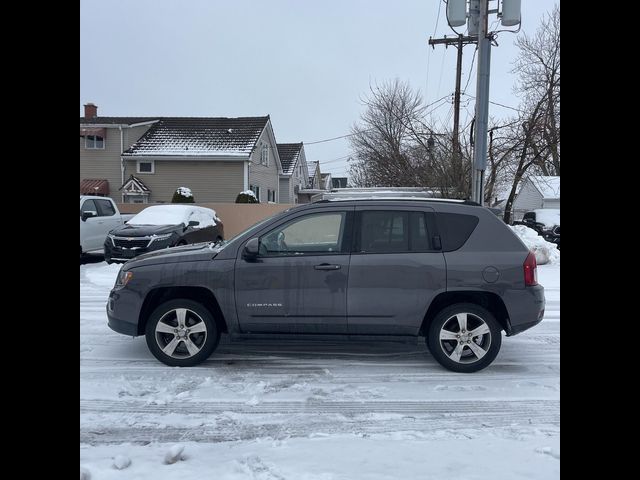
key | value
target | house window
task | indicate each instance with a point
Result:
(93, 142)
(271, 196)
(264, 155)
(256, 190)
(145, 167)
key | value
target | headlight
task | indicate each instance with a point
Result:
(112, 239)
(157, 238)
(124, 277)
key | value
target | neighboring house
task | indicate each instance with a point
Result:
(144, 160)
(536, 192)
(325, 182)
(313, 185)
(295, 172)
(339, 182)
(102, 141)
(314, 175)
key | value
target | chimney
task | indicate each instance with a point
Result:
(90, 110)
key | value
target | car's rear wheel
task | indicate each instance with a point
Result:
(181, 333)
(464, 337)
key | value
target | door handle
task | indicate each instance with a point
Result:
(326, 266)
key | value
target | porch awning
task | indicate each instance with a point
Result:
(93, 186)
(100, 132)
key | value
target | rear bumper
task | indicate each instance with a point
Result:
(525, 308)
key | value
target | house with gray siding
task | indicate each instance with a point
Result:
(102, 142)
(216, 157)
(295, 172)
(537, 191)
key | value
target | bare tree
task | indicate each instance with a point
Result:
(393, 146)
(382, 139)
(538, 68)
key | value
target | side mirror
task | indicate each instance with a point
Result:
(194, 223)
(252, 248)
(88, 214)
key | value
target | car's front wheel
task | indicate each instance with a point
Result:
(464, 337)
(181, 333)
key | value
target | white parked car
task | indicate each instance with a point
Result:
(98, 215)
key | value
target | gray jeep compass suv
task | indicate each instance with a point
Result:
(448, 270)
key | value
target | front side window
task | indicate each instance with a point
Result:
(93, 142)
(393, 232)
(312, 234)
(89, 206)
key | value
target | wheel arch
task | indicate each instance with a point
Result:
(488, 300)
(160, 295)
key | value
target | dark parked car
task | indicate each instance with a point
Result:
(162, 226)
(545, 221)
(448, 270)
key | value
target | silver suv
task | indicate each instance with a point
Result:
(447, 270)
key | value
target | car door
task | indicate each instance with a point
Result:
(395, 270)
(107, 213)
(298, 282)
(91, 228)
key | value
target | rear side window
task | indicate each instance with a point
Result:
(393, 231)
(106, 208)
(455, 229)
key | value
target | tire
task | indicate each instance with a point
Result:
(164, 322)
(469, 358)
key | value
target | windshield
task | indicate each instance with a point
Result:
(162, 215)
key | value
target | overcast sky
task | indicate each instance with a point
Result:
(307, 64)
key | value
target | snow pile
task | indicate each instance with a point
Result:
(121, 462)
(249, 192)
(174, 454)
(545, 252)
(184, 191)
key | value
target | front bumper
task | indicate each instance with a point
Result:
(123, 311)
(122, 254)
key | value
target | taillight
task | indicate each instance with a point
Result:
(530, 270)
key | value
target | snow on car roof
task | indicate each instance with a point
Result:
(168, 214)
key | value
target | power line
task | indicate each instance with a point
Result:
(499, 104)
(437, 19)
(470, 70)
(338, 138)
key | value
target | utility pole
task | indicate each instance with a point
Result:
(477, 23)
(459, 42)
(482, 105)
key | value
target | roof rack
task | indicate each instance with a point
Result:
(390, 194)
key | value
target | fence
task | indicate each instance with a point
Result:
(236, 217)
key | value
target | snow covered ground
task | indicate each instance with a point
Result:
(305, 409)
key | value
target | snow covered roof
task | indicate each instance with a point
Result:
(200, 136)
(549, 186)
(135, 182)
(289, 153)
(115, 120)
